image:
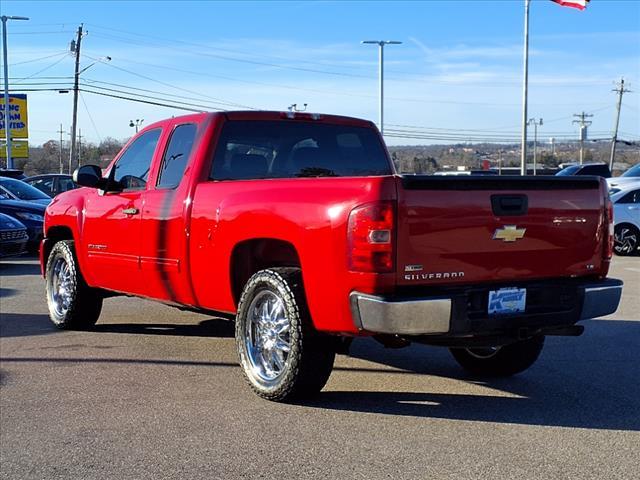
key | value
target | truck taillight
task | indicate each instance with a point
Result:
(371, 238)
(608, 249)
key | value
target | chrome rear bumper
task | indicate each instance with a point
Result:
(435, 315)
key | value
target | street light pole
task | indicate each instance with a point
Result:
(381, 44)
(7, 113)
(535, 123)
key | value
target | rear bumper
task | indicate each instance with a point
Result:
(456, 314)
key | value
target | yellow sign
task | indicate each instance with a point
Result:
(18, 121)
(18, 149)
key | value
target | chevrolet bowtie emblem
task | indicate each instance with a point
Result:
(509, 233)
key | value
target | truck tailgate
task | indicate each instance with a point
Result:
(479, 229)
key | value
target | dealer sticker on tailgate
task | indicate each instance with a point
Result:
(507, 300)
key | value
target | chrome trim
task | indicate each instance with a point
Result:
(598, 289)
(409, 317)
(601, 300)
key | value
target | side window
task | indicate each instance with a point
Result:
(631, 197)
(44, 184)
(177, 155)
(132, 170)
(65, 184)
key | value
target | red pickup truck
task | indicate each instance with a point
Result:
(297, 226)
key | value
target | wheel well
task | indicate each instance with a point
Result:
(251, 256)
(54, 235)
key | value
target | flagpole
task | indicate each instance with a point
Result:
(525, 85)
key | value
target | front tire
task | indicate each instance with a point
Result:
(282, 356)
(72, 303)
(501, 361)
(626, 240)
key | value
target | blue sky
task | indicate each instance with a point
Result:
(458, 72)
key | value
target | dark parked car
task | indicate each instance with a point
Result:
(18, 190)
(30, 214)
(13, 236)
(598, 169)
(12, 173)
(52, 183)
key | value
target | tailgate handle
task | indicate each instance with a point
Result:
(509, 205)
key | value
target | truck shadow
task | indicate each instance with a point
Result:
(27, 265)
(586, 382)
(213, 327)
(23, 325)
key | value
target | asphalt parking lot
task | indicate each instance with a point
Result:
(153, 392)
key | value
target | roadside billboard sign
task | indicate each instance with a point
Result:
(19, 149)
(18, 119)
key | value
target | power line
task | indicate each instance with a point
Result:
(148, 102)
(90, 117)
(91, 83)
(200, 106)
(41, 70)
(233, 104)
(36, 60)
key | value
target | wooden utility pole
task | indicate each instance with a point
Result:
(75, 48)
(620, 91)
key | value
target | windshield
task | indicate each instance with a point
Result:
(569, 170)
(21, 190)
(632, 172)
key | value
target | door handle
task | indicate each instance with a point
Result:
(130, 211)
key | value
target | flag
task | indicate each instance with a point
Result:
(579, 4)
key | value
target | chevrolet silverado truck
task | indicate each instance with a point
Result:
(298, 227)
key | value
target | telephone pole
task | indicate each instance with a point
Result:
(75, 48)
(583, 131)
(61, 132)
(620, 91)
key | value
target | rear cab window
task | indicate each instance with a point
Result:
(279, 149)
(176, 155)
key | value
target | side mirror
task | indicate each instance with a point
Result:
(89, 176)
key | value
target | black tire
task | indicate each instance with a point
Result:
(72, 303)
(626, 240)
(273, 372)
(500, 361)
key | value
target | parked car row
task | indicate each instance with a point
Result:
(23, 201)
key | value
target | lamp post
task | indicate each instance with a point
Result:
(137, 124)
(535, 123)
(381, 44)
(7, 115)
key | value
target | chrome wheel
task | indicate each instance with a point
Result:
(626, 240)
(267, 337)
(61, 287)
(483, 353)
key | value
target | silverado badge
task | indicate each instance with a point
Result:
(509, 233)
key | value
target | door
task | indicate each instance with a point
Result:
(165, 222)
(112, 221)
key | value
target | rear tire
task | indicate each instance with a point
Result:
(500, 361)
(282, 356)
(626, 240)
(72, 303)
